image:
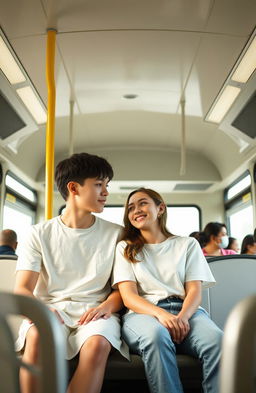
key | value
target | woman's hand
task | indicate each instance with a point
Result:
(94, 313)
(178, 326)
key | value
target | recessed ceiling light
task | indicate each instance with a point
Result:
(130, 96)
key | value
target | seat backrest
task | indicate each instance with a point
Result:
(237, 373)
(236, 279)
(53, 373)
(7, 272)
(7, 281)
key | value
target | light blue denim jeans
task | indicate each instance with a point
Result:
(147, 337)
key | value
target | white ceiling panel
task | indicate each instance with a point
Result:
(80, 15)
(233, 17)
(22, 18)
(128, 62)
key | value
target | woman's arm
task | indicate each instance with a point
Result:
(176, 326)
(193, 298)
(112, 304)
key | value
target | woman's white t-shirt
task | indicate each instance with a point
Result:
(163, 268)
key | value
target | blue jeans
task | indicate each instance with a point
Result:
(147, 337)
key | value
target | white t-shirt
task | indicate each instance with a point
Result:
(164, 268)
(75, 265)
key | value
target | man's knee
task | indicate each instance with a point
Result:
(31, 351)
(96, 347)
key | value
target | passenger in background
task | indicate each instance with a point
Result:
(8, 242)
(233, 244)
(197, 236)
(248, 245)
(160, 276)
(215, 240)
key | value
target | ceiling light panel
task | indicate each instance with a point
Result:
(31, 101)
(223, 104)
(247, 65)
(9, 65)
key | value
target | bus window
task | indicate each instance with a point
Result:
(19, 207)
(238, 206)
(181, 220)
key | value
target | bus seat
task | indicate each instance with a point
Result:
(238, 372)
(7, 280)
(125, 376)
(52, 372)
(235, 277)
(7, 276)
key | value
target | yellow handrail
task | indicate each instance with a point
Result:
(50, 127)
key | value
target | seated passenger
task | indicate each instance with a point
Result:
(196, 235)
(215, 240)
(233, 244)
(160, 276)
(66, 262)
(8, 242)
(248, 245)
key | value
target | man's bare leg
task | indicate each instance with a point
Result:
(88, 377)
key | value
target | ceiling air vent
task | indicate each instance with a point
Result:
(129, 188)
(192, 186)
(246, 120)
(10, 120)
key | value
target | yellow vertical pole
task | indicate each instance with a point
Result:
(49, 154)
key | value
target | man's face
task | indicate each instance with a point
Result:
(92, 195)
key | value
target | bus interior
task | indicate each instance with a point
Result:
(165, 90)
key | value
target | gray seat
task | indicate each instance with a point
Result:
(238, 369)
(11, 257)
(52, 372)
(235, 277)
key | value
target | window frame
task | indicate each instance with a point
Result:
(21, 200)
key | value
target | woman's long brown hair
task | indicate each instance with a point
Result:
(132, 235)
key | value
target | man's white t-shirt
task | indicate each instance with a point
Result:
(163, 268)
(74, 264)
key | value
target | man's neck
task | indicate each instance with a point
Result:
(77, 220)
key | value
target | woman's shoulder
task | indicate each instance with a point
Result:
(183, 239)
(121, 245)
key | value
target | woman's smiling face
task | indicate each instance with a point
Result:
(142, 211)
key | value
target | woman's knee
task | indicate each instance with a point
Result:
(158, 336)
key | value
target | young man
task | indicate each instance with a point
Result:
(67, 262)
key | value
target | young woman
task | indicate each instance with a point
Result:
(248, 245)
(215, 240)
(160, 278)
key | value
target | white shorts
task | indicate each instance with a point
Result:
(76, 336)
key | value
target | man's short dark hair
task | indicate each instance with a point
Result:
(80, 167)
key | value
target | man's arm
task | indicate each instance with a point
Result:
(25, 282)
